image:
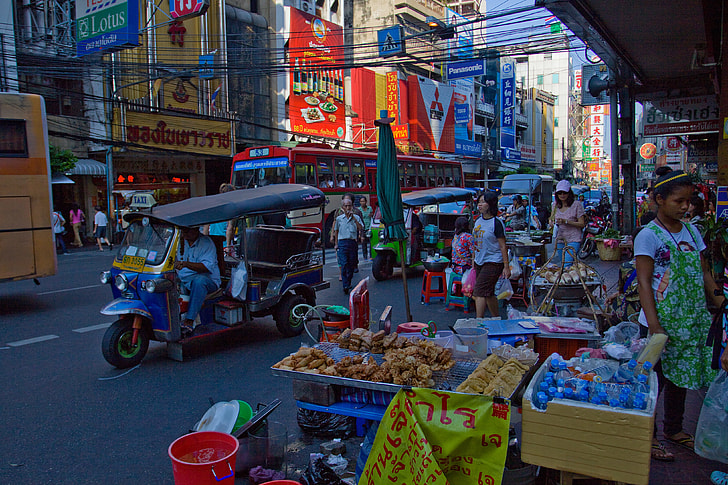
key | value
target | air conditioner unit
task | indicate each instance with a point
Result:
(307, 7)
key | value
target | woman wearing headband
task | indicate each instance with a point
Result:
(672, 278)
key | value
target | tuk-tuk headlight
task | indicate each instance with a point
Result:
(158, 285)
(105, 277)
(121, 282)
(381, 235)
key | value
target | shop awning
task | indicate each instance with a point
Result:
(87, 166)
(59, 178)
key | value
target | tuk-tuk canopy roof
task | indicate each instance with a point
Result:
(439, 195)
(270, 199)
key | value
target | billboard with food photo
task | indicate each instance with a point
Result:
(315, 53)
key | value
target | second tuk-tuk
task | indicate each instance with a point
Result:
(438, 229)
(268, 271)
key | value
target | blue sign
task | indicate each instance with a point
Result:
(507, 106)
(721, 206)
(263, 163)
(391, 41)
(468, 148)
(106, 26)
(370, 163)
(462, 113)
(458, 70)
(511, 155)
(207, 61)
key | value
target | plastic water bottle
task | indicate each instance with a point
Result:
(639, 401)
(558, 395)
(560, 385)
(641, 385)
(614, 403)
(603, 398)
(602, 373)
(548, 377)
(543, 387)
(563, 372)
(584, 395)
(646, 367)
(552, 392)
(625, 372)
(625, 400)
(569, 393)
(541, 400)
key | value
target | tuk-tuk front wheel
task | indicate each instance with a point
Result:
(289, 324)
(383, 266)
(117, 345)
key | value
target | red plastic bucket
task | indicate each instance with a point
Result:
(204, 457)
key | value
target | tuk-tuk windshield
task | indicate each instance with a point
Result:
(149, 241)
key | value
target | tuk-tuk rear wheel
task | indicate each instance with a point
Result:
(289, 325)
(383, 266)
(117, 344)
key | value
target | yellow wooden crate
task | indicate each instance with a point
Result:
(596, 441)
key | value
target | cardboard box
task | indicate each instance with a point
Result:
(228, 312)
(314, 392)
(596, 441)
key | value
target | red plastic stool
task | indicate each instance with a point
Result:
(434, 286)
(455, 295)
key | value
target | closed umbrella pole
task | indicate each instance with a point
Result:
(389, 195)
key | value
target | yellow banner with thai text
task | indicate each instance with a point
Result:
(181, 133)
(437, 437)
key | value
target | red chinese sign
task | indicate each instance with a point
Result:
(436, 437)
(393, 95)
(316, 102)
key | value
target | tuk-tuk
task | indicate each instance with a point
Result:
(269, 270)
(438, 229)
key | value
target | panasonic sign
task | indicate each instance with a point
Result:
(458, 70)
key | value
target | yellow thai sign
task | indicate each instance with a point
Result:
(439, 438)
(181, 133)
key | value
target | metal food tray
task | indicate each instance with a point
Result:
(447, 380)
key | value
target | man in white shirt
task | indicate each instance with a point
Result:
(197, 267)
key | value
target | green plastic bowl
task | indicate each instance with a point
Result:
(245, 412)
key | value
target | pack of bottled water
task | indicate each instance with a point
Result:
(602, 382)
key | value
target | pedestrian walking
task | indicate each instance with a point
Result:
(670, 273)
(344, 236)
(491, 255)
(100, 223)
(366, 217)
(57, 222)
(77, 218)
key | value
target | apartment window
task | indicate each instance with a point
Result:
(556, 100)
(539, 79)
(555, 78)
(556, 122)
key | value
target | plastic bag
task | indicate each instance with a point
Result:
(319, 473)
(514, 314)
(468, 282)
(238, 286)
(515, 267)
(326, 425)
(503, 289)
(623, 333)
(711, 441)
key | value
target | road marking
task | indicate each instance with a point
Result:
(91, 328)
(69, 289)
(32, 340)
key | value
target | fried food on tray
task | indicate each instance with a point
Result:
(310, 360)
(493, 377)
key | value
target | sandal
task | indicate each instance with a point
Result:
(687, 442)
(719, 478)
(660, 453)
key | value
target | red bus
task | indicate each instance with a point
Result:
(336, 172)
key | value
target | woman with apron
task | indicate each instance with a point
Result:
(672, 278)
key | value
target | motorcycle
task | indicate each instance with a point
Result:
(595, 225)
(278, 269)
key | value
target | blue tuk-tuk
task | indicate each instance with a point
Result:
(269, 270)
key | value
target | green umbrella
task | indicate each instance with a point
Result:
(389, 195)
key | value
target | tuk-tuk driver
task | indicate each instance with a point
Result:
(197, 268)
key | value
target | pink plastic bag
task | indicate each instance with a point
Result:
(468, 282)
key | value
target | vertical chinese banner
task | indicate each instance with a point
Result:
(437, 437)
(315, 54)
(393, 96)
(508, 103)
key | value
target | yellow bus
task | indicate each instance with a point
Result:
(27, 249)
